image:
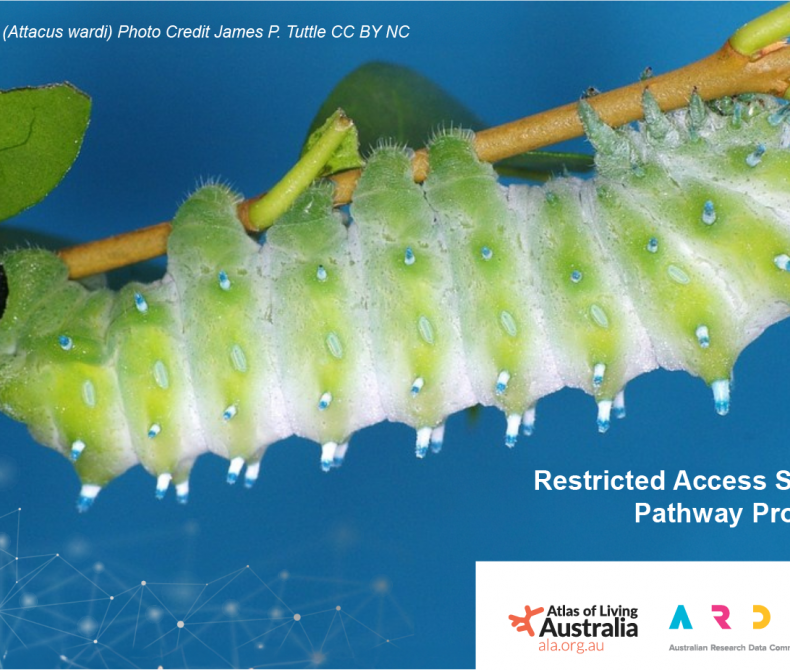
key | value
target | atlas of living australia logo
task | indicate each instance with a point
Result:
(577, 629)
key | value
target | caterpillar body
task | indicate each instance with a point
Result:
(431, 298)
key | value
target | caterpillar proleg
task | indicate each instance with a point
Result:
(431, 298)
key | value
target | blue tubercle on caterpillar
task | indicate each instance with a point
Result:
(433, 298)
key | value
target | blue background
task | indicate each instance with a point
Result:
(168, 112)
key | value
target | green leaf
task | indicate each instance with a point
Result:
(474, 414)
(41, 131)
(346, 156)
(388, 101)
(14, 237)
(541, 165)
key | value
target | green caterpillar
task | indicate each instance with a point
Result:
(435, 298)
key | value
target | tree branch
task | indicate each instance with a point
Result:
(751, 66)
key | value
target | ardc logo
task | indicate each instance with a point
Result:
(523, 621)
(721, 613)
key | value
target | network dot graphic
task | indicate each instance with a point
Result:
(90, 614)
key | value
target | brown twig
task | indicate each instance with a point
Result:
(726, 72)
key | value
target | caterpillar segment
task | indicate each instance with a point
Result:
(508, 361)
(226, 302)
(431, 298)
(412, 318)
(325, 367)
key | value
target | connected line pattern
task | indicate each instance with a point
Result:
(54, 613)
